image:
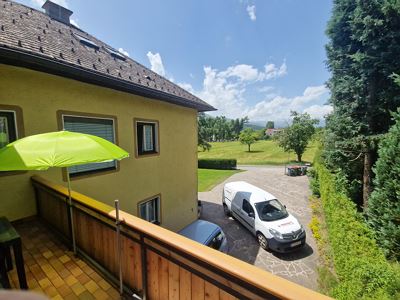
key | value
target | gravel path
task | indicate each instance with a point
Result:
(300, 266)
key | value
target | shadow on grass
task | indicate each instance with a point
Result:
(255, 151)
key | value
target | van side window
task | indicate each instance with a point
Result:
(247, 207)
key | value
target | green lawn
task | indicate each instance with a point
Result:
(262, 152)
(209, 178)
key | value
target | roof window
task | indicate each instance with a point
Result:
(86, 41)
(115, 53)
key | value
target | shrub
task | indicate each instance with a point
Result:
(384, 203)
(361, 267)
(314, 182)
(217, 163)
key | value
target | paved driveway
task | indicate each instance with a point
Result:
(300, 266)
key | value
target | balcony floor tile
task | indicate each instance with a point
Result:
(53, 270)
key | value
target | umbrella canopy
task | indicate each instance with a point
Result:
(57, 149)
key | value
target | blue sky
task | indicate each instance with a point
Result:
(256, 58)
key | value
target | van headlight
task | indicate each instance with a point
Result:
(276, 234)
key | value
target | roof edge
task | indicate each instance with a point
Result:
(10, 56)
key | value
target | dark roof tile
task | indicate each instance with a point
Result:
(35, 33)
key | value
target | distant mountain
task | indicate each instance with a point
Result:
(253, 126)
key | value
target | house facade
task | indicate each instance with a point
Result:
(54, 76)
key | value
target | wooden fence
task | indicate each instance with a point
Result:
(156, 263)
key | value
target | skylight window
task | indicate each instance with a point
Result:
(86, 41)
(115, 53)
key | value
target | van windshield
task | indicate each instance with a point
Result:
(271, 210)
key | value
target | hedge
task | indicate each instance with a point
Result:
(217, 163)
(360, 265)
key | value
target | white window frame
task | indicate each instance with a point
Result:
(14, 113)
(155, 138)
(157, 208)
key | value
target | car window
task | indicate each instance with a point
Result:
(246, 206)
(271, 210)
(216, 242)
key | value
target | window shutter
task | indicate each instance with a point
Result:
(103, 128)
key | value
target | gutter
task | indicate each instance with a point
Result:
(36, 62)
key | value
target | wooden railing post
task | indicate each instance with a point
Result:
(143, 255)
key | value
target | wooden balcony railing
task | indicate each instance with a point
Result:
(157, 263)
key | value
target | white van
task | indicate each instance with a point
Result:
(262, 214)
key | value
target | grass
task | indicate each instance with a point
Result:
(262, 153)
(209, 178)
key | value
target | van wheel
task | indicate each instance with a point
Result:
(226, 210)
(262, 241)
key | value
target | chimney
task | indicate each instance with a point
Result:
(57, 12)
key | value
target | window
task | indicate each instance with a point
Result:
(216, 242)
(149, 210)
(86, 41)
(115, 53)
(8, 127)
(101, 127)
(147, 137)
(247, 207)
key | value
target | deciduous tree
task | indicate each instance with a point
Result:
(248, 137)
(297, 136)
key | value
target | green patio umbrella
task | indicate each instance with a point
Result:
(58, 149)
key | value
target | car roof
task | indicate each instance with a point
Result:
(200, 231)
(251, 192)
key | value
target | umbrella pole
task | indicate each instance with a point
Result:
(117, 225)
(71, 213)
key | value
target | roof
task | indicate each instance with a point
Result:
(255, 194)
(200, 231)
(31, 39)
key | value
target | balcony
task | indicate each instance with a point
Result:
(53, 270)
(156, 263)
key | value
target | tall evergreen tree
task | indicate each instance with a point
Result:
(270, 125)
(384, 204)
(362, 54)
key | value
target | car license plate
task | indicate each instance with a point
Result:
(295, 244)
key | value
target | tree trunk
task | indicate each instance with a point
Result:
(367, 178)
(368, 158)
(298, 157)
(249, 146)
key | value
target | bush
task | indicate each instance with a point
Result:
(384, 203)
(217, 163)
(314, 182)
(361, 267)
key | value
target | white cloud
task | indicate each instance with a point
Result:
(225, 89)
(74, 22)
(319, 111)
(156, 63)
(243, 72)
(124, 52)
(222, 93)
(251, 10)
(279, 107)
(187, 86)
(272, 71)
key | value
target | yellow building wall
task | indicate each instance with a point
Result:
(173, 173)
